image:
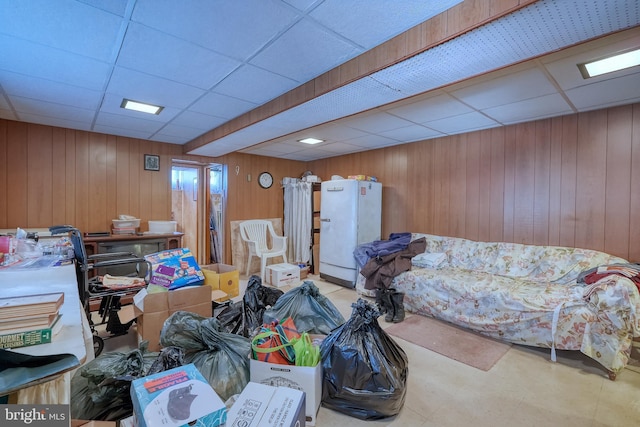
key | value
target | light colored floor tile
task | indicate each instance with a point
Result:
(524, 388)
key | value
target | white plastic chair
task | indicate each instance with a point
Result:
(258, 233)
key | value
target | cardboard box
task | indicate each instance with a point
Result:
(152, 309)
(304, 378)
(176, 397)
(223, 277)
(262, 405)
(282, 274)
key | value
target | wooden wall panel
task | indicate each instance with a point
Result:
(591, 175)
(39, 173)
(573, 173)
(634, 205)
(566, 181)
(618, 180)
(497, 195)
(17, 173)
(541, 191)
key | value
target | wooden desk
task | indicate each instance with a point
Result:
(16, 281)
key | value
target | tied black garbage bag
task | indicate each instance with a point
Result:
(221, 357)
(245, 317)
(364, 370)
(311, 311)
(100, 389)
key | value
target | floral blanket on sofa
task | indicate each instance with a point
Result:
(524, 294)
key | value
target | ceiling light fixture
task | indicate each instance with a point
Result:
(610, 64)
(311, 141)
(140, 106)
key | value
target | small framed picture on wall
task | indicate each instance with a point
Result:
(151, 162)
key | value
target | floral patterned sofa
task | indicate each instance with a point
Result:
(525, 294)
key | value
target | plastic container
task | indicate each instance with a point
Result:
(126, 223)
(162, 227)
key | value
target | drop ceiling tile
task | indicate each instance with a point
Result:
(370, 141)
(462, 123)
(376, 122)
(204, 122)
(530, 109)
(123, 122)
(411, 133)
(184, 133)
(159, 54)
(46, 90)
(254, 84)
(117, 130)
(331, 132)
(159, 137)
(341, 148)
(300, 4)
(50, 109)
(7, 114)
(606, 93)
(317, 51)
(508, 89)
(278, 148)
(63, 25)
(142, 87)
(117, 7)
(55, 121)
(224, 27)
(430, 108)
(4, 104)
(61, 66)
(219, 105)
(382, 21)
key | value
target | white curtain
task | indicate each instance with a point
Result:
(297, 219)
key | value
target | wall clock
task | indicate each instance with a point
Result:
(265, 180)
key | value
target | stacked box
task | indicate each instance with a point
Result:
(176, 397)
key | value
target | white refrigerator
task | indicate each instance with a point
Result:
(350, 214)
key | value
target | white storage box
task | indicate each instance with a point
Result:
(260, 405)
(162, 227)
(305, 378)
(282, 274)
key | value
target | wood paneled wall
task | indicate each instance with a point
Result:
(567, 181)
(51, 175)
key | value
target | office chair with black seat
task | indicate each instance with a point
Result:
(97, 288)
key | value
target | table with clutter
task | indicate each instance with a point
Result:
(41, 373)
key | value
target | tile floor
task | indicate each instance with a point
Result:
(524, 388)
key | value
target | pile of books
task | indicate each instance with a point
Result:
(30, 320)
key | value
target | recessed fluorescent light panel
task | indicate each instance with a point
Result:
(610, 64)
(311, 140)
(140, 106)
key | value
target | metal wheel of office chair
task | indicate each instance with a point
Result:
(98, 345)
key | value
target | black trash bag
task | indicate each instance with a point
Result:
(169, 358)
(245, 317)
(364, 370)
(100, 389)
(311, 311)
(221, 357)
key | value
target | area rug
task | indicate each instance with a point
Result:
(451, 341)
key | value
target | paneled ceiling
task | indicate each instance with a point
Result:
(69, 63)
